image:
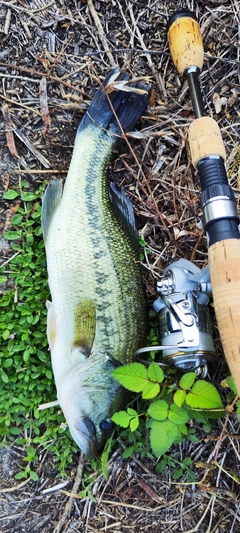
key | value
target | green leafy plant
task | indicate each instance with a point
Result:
(179, 468)
(172, 404)
(233, 397)
(144, 249)
(25, 367)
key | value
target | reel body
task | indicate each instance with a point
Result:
(184, 319)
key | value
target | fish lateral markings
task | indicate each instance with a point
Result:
(97, 317)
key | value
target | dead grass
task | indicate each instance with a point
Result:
(52, 56)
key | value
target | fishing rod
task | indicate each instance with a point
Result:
(220, 214)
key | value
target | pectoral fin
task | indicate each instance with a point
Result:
(51, 200)
(84, 326)
(51, 324)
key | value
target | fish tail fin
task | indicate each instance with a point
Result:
(117, 110)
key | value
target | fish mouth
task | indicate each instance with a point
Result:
(86, 436)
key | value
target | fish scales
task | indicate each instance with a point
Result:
(96, 271)
(97, 316)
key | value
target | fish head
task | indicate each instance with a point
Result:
(89, 396)
(90, 436)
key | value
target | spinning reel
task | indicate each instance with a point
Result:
(184, 319)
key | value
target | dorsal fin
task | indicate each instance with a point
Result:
(124, 210)
(51, 199)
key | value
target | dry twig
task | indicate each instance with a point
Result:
(70, 502)
(101, 32)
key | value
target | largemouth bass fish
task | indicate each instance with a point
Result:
(97, 317)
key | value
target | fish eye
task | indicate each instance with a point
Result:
(107, 426)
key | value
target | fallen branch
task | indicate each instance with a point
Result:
(70, 502)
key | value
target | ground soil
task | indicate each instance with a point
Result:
(73, 45)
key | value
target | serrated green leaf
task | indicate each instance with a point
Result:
(132, 412)
(150, 390)
(10, 195)
(28, 196)
(134, 423)
(187, 380)
(179, 397)
(177, 415)
(204, 396)
(162, 436)
(133, 376)
(3, 279)
(183, 429)
(122, 418)
(155, 372)
(231, 383)
(158, 410)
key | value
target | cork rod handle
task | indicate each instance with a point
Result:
(205, 140)
(185, 43)
(224, 256)
(219, 207)
(225, 278)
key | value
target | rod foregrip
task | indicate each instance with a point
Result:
(225, 278)
(218, 202)
(205, 140)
